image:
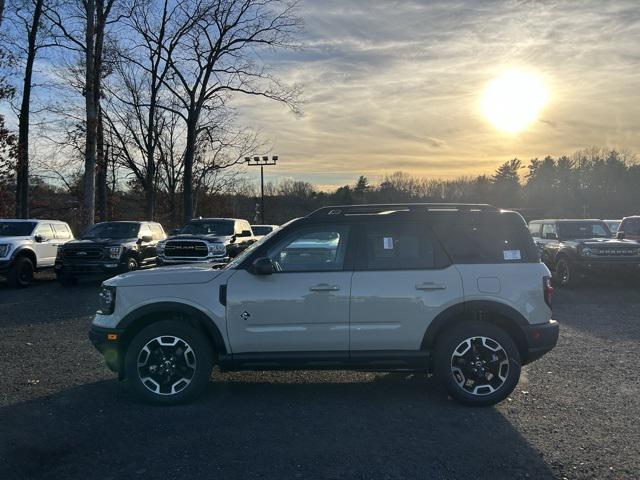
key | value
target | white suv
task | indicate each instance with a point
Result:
(27, 246)
(450, 289)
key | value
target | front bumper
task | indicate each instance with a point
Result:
(97, 269)
(108, 341)
(586, 266)
(540, 339)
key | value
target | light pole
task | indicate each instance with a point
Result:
(261, 162)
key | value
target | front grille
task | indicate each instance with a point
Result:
(83, 253)
(616, 252)
(185, 248)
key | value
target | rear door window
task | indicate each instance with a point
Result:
(534, 230)
(399, 246)
(157, 232)
(62, 231)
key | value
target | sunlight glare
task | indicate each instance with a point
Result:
(513, 100)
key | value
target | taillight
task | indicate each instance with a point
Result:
(548, 290)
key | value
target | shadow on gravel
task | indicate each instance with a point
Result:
(392, 426)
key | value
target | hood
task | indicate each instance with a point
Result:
(177, 275)
(100, 241)
(14, 239)
(605, 242)
(206, 238)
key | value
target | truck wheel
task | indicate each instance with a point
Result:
(21, 273)
(564, 273)
(131, 264)
(477, 362)
(168, 362)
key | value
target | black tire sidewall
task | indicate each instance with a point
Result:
(569, 268)
(14, 277)
(201, 348)
(451, 338)
(131, 264)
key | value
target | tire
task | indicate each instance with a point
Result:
(481, 346)
(21, 273)
(131, 264)
(564, 274)
(168, 363)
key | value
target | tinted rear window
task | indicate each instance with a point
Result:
(487, 243)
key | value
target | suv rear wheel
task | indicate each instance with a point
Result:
(477, 362)
(168, 362)
(21, 273)
(564, 274)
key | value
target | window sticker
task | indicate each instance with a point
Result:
(511, 254)
(387, 243)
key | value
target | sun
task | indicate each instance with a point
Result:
(513, 100)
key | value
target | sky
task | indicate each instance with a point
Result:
(394, 86)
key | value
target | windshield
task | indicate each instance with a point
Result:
(113, 230)
(584, 230)
(261, 230)
(220, 227)
(16, 229)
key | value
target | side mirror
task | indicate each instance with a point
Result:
(262, 266)
(39, 238)
(620, 235)
(146, 238)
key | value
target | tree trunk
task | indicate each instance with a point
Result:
(189, 156)
(22, 180)
(89, 184)
(1, 11)
(101, 175)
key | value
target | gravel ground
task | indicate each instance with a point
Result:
(63, 415)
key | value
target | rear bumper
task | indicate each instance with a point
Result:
(107, 341)
(540, 339)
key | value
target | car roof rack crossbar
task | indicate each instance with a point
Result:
(389, 208)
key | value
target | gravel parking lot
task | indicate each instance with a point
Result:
(63, 415)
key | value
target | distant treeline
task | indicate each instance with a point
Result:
(591, 183)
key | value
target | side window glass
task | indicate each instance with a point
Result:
(145, 230)
(397, 247)
(534, 229)
(157, 231)
(632, 226)
(549, 231)
(313, 249)
(62, 231)
(599, 231)
(45, 230)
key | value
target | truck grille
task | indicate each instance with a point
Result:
(617, 252)
(83, 253)
(185, 248)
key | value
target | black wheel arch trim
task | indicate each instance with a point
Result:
(22, 250)
(472, 309)
(179, 308)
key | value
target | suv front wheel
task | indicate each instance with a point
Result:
(477, 362)
(168, 362)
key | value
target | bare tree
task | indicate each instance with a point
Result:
(27, 19)
(81, 27)
(217, 58)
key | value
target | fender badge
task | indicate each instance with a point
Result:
(244, 315)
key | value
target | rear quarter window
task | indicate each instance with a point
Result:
(488, 243)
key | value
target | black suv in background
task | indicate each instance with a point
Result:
(574, 249)
(213, 240)
(108, 249)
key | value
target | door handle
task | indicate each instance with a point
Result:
(324, 287)
(430, 286)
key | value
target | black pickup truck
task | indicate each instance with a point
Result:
(575, 249)
(108, 249)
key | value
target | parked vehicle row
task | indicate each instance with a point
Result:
(575, 249)
(111, 248)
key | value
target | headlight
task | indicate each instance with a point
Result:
(587, 252)
(160, 247)
(217, 248)
(5, 248)
(114, 252)
(107, 300)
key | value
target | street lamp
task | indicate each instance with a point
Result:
(261, 162)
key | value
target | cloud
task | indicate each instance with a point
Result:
(395, 85)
